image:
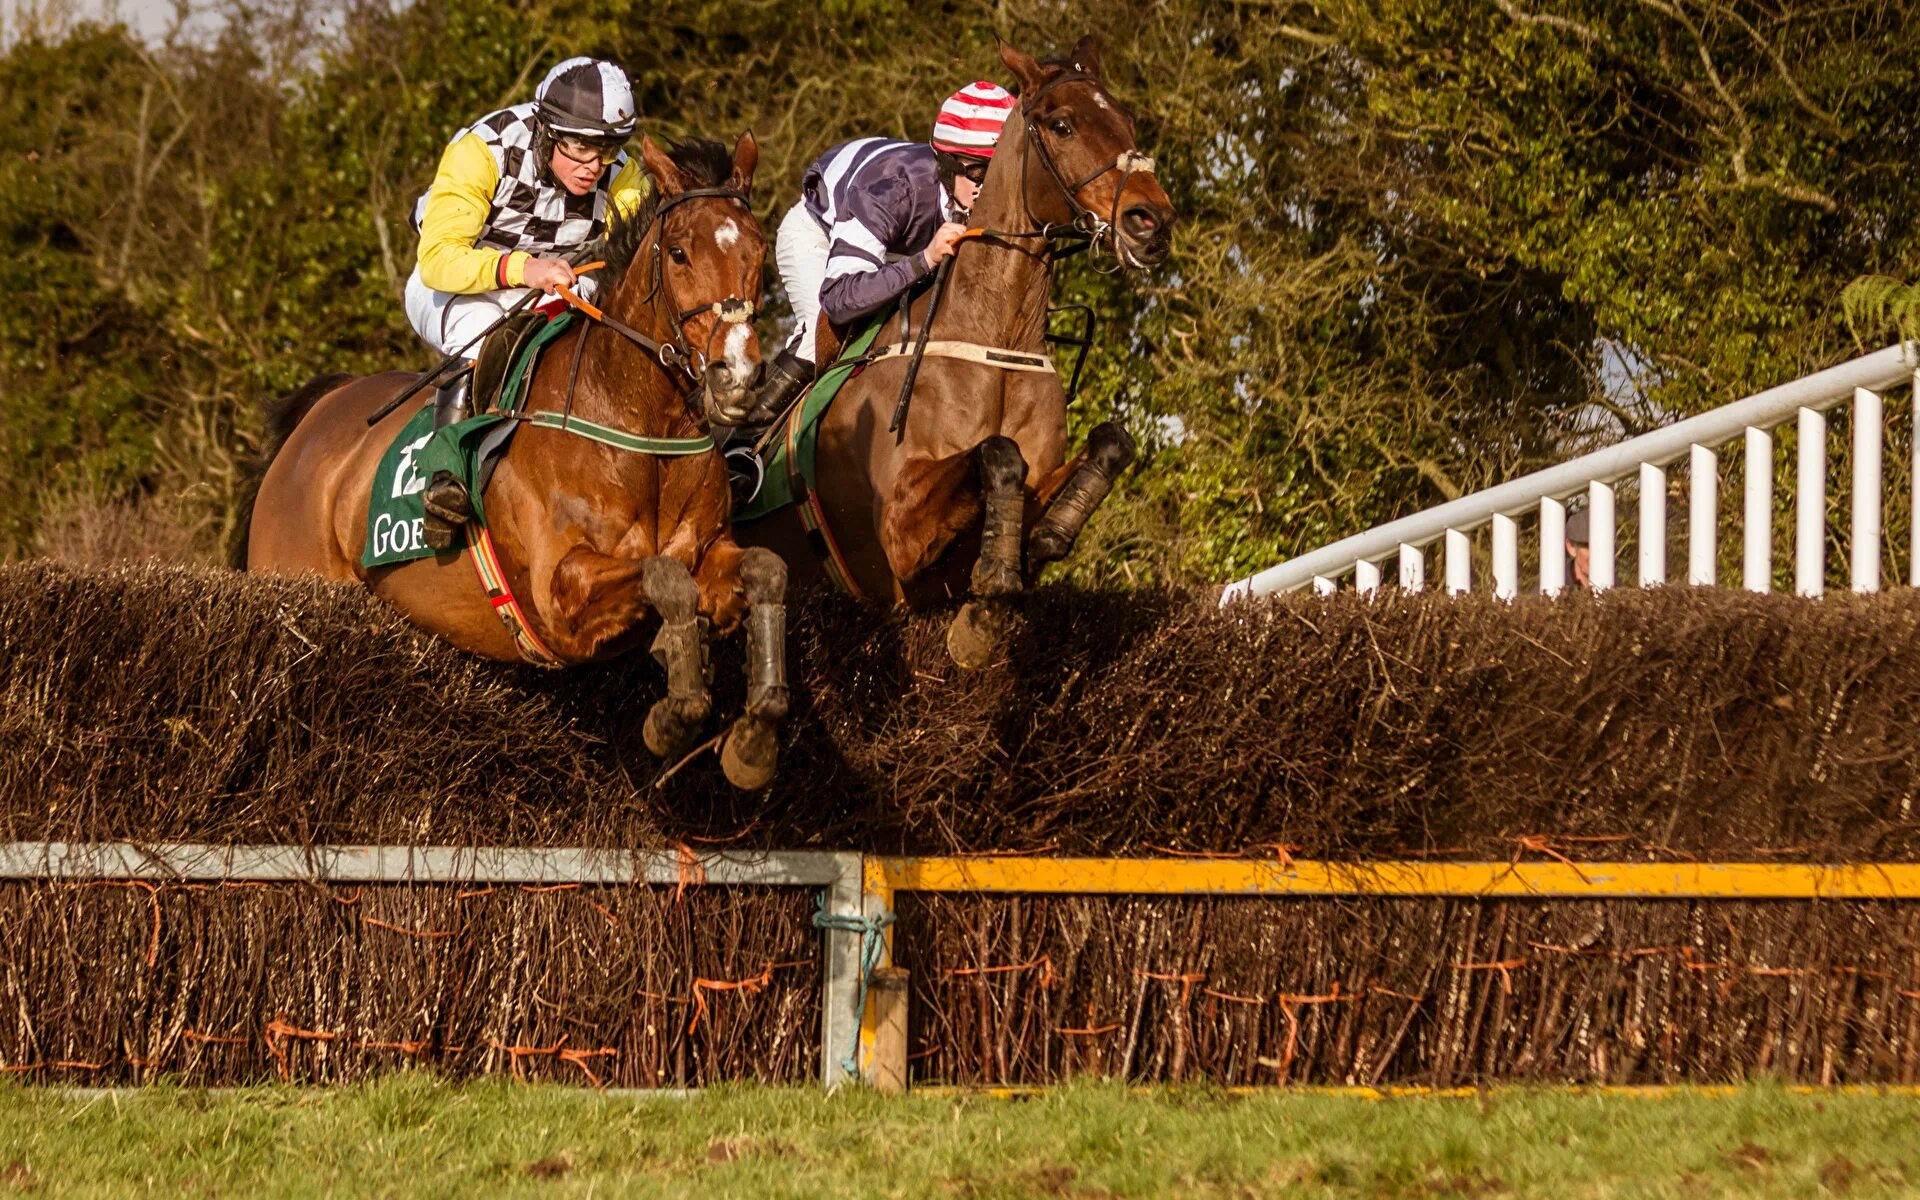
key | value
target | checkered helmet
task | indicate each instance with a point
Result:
(587, 98)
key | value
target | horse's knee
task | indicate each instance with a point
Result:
(763, 575)
(1001, 466)
(670, 588)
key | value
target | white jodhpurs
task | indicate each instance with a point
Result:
(454, 324)
(800, 251)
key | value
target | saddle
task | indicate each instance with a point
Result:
(498, 354)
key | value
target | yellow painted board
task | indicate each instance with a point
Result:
(1251, 877)
(1652, 1091)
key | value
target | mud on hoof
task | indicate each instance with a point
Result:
(672, 725)
(978, 636)
(750, 754)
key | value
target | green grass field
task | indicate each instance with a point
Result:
(416, 1137)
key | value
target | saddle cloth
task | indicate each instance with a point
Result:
(468, 448)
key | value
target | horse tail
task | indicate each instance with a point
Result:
(282, 416)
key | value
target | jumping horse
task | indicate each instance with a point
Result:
(972, 495)
(593, 541)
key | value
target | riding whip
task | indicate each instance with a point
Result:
(897, 426)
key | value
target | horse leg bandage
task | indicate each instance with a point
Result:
(1003, 473)
(1109, 449)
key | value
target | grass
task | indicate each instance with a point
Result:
(416, 1137)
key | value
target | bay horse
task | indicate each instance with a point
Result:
(592, 540)
(974, 495)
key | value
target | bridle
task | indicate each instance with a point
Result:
(678, 357)
(1084, 225)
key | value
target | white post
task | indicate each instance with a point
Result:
(1913, 519)
(1653, 525)
(1324, 586)
(1366, 578)
(1506, 557)
(1757, 569)
(1553, 547)
(1703, 517)
(1600, 535)
(1866, 490)
(1810, 506)
(1413, 568)
(1459, 563)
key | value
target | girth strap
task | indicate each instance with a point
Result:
(991, 356)
(619, 439)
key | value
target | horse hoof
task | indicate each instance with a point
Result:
(1048, 545)
(666, 734)
(750, 754)
(975, 637)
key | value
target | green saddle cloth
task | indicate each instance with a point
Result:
(395, 510)
(788, 458)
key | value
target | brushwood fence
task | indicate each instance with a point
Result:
(131, 963)
(260, 830)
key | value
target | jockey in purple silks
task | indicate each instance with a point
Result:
(874, 216)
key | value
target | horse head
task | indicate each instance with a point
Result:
(706, 256)
(1091, 175)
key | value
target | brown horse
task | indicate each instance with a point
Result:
(592, 540)
(905, 511)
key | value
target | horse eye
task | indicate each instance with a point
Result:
(677, 255)
(1061, 126)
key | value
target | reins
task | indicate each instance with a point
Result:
(677, 357)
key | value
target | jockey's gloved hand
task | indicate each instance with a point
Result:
(548, 274)
(944, 240)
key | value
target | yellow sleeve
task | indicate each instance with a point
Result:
(629, 188)
(455, 217)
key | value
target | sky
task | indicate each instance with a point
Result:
(150, 19)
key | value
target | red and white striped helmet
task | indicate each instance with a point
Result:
(970, 121)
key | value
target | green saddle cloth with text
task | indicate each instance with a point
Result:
(788, 459)
(465, 448)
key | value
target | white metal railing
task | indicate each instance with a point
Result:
(1698, 440)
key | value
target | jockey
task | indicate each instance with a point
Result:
(874, 216)
(516, 192)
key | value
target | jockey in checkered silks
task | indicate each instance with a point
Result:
(516, 192)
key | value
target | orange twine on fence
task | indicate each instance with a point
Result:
(425, 934)
(1044, 962)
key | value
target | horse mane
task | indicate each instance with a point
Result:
(703, 163)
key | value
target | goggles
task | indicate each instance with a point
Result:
(583, 152)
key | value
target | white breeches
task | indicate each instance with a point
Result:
(453, 324)
(800, 251)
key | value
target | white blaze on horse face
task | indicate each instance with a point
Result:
(727, 235)
(735, 349)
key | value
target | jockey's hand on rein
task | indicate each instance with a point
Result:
(548, 274)
(944, 240)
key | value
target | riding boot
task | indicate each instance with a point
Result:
(448, 506)
(787, 375)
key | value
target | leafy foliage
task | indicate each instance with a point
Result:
(1423, 245)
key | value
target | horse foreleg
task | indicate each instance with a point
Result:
(681, 650)
(1087, 481)
(752, 748)
(978, 630)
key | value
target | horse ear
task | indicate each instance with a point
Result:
(746, 156)
(665, 175)
(1024, 69)
(1086, 55)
